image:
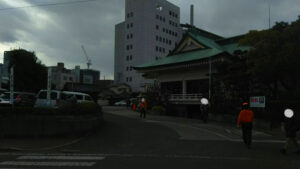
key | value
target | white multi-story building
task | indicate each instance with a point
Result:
(150, 31)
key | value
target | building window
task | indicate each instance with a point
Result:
(130, 79)
(157, 27)
(127, 58)
(164, 19)
(157, 38)
(131, 24)
(164, 29)
(131, 36)
(131, 14)
(160, 39)
(130, 57)
(130, 68)
(159, 7)
(126, 79)
(128, 15)
(157, 17)
(127, 26)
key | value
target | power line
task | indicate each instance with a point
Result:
(50, 4)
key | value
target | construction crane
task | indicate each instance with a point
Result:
(89, 62)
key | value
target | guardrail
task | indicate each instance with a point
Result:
(186, 98)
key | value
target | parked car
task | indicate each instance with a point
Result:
(121, 103)
(59, 98)
(19, 98)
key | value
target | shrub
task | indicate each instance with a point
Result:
(86, 108)
(159, 109)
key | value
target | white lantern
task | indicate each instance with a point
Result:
(288, 113)
(204, 101)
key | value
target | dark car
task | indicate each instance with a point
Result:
(19, 98)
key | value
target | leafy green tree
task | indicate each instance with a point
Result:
(275, 58)
(30, 74)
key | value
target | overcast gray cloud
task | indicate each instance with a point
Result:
(56, 33)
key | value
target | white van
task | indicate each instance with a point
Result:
(58, 98)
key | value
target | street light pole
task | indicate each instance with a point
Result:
(269, 14)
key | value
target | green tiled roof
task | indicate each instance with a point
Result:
(204, 40)
(215, 45)
(182, 57)
(230, 48)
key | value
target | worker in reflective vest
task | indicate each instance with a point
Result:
(245, 120)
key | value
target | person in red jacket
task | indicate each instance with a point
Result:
(245, 120)
(143, 107)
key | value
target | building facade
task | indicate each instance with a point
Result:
(62, 76)
(150, 32)
(184, 76)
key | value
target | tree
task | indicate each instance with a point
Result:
(275, 58)
(30, 74)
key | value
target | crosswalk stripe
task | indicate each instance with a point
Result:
(49, 164)
(60, 158)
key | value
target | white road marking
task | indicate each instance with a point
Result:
(99, 156)
(60, 158)
(50, 164)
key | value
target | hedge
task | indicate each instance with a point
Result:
(68, 109)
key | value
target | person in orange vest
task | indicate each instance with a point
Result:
(245, 120)
(143, 107)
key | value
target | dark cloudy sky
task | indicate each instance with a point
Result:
(56, 33)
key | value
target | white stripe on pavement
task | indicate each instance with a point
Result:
(49, 164)
(60, 158)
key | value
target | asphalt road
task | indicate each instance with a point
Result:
(127, 142)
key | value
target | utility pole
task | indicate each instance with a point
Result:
(12, 85)
(209, 91)
(49, 85)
